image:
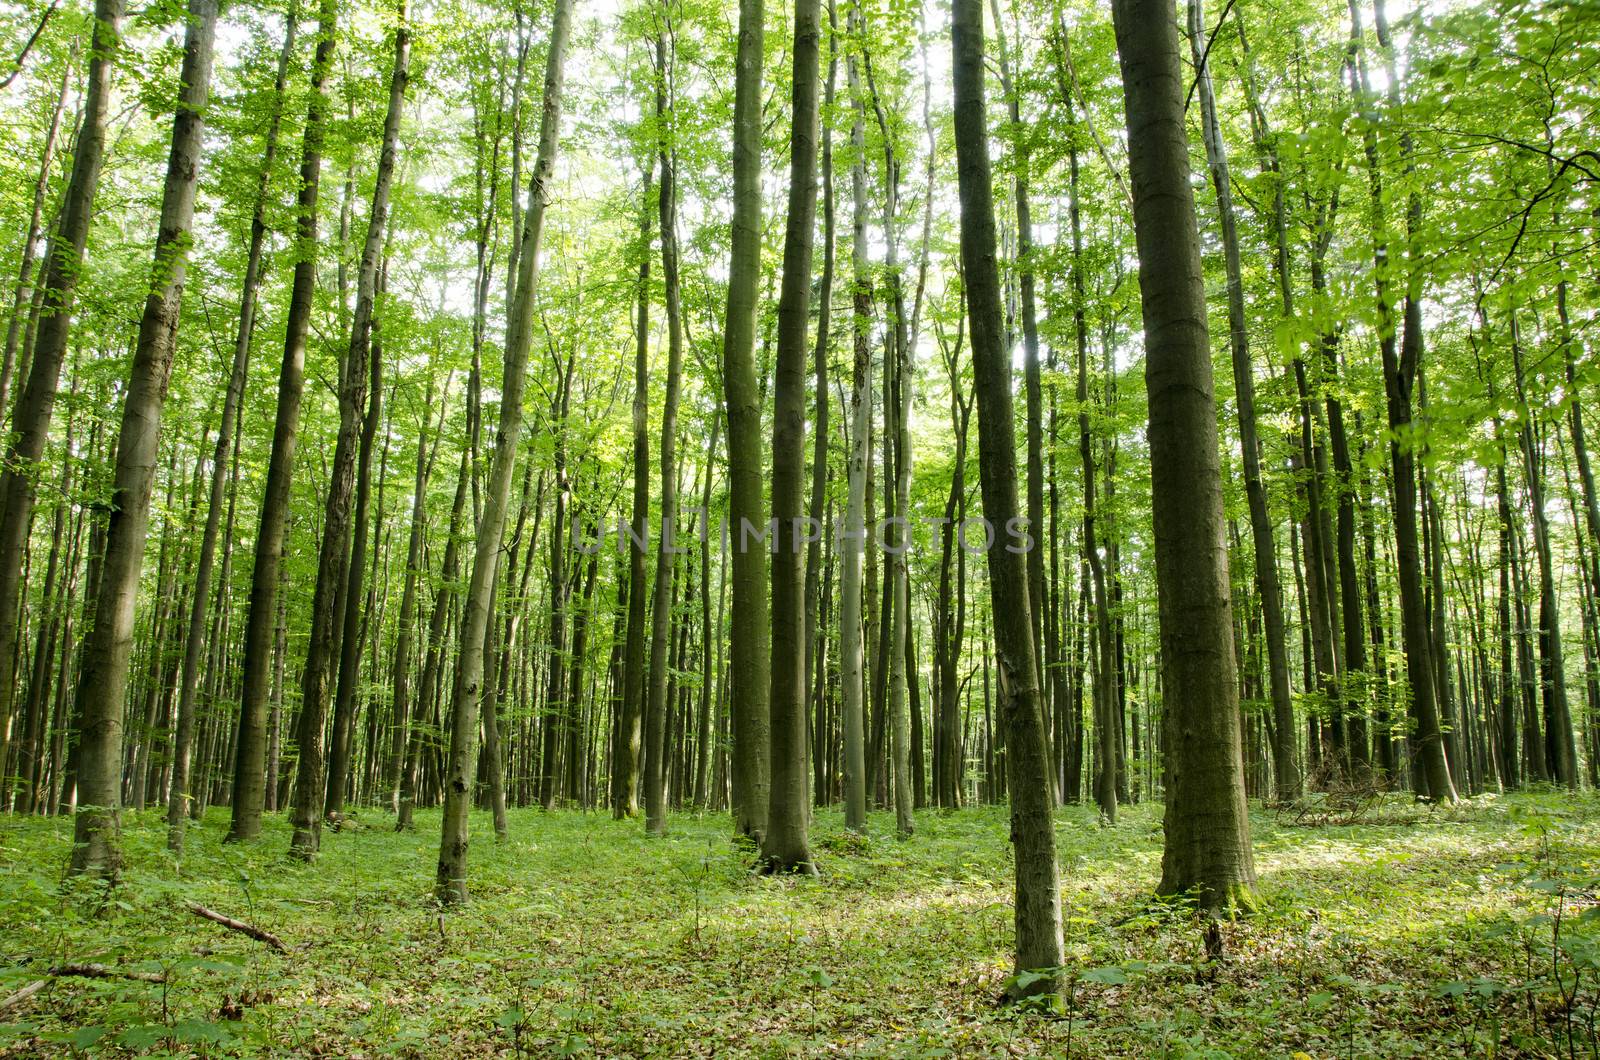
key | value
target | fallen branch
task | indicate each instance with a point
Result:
(103, 971)
(240, 926)
(24, 994)
(78, 971)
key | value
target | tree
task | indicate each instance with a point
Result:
(451, 882)
(785, 847)
(748, 644)
(1207, 845)
(63, 268)
(339, 567)
(661, 614)
(1038, 883)
(96, 847)
(1286, 772)
(855, 539)
(250, 767)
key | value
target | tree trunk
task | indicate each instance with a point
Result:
(854, 540)
(96, 848)
(26, 271)
(451, 883)
(625, 754)
(63, 266)
(1038, 885)
(785, 847)
(1286, 771)
(249, 786)
(1207, 846)
(655, 765)
(748, 662)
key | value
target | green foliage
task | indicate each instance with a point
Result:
(1442, 935)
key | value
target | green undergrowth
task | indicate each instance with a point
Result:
(1463, 932)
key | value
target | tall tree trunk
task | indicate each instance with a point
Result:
(400, 671)
(748, 644)
(63, 266)
(785, 847)
(249, 786)
(427, 689)
(103, 679)
(1207, 847)
(1286, 771)
(708, 632)
(1032, 385)
(365, 356)
(1400, 362)
(1560, 746)
(1038, 884)
(1103, 641)
(332, 605)
(655, 765)
(451, 883)
(816, 508)
(897, 556)
(625, 754)
(194, 637)
(855, 540)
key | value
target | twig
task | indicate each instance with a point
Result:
(78, 971)
(24, 994)
(104, 971)
(240, 926)
(22, 57)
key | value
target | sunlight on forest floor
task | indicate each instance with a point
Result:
(1457, 934)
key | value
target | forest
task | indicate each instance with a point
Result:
(859, 527)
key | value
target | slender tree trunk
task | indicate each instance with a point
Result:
(194, 637)
(1560, 745)
(63, 266)
(30, 243)
(748, 662)
(249, 789)
(427, 689)
(1207, 847)
(817, 507)
(1038, 884)
(451, 883)
(655, 765)
(625, 757)
(96, 848)
(854, 541)
(785, 847)
(400, 672)
(1286, 771)
(1400, 364)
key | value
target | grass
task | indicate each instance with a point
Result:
(1435, 933)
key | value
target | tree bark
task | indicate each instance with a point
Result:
(655, 766)
(451, 882)
(854, 540)
(1038, 884)
(96, 847)
(249, 786)
(785, 847)
(748, 645)
(63, 267)
(625, 755)
(1207, 845)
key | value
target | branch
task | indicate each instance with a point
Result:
(22, 56)
(79, 971)
(1205, 53)
(237, 925)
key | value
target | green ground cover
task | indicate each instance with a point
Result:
(1419, 932)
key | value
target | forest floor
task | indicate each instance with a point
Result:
(1419, 932)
